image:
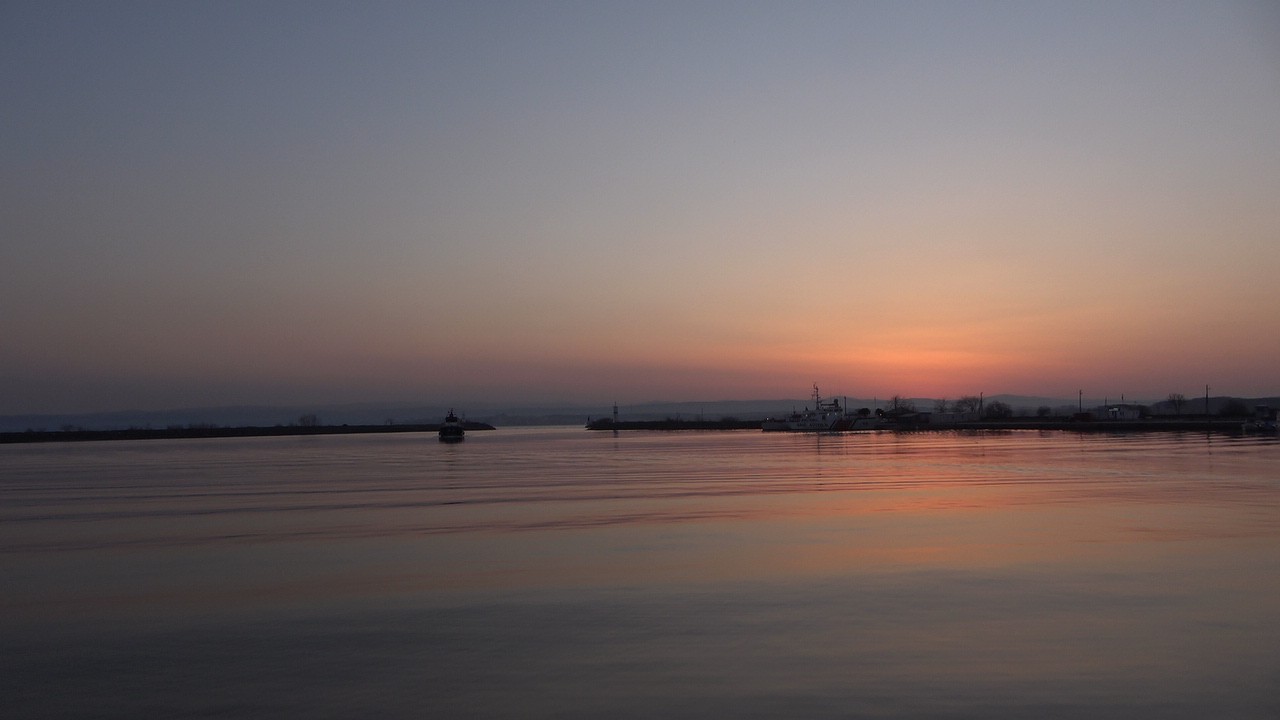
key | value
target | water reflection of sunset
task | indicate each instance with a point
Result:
(554, 568)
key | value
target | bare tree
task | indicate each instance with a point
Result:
(997, 410)
(940, 405)
(967, 404)
(1177, 400)
(899, 404)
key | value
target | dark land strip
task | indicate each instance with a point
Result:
(1229, 425)
(179, 433)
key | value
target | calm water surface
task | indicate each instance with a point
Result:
(539, 573)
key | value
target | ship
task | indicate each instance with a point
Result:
(825, 416)
(452, 430)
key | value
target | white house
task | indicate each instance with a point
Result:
(1123, 411)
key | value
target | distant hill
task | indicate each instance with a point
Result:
(236, 416)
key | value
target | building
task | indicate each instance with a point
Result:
(1123, 411)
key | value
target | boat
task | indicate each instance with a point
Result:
(825, 416)
(452, 430)
(1263, 420)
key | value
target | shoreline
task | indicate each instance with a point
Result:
(1226, 425)
(189, 433)
(1232, 426)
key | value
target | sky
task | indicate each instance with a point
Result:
(224, 203)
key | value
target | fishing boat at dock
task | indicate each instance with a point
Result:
(825, 416)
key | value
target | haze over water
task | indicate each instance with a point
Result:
(562, 573)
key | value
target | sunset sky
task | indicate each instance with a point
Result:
(221, 203)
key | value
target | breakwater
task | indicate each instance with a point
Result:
(180, 433)
(1227, 425)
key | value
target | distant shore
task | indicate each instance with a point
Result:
(182, 433)
(1230, 425)
(1200, 424)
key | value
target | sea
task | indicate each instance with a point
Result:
(562, 573)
